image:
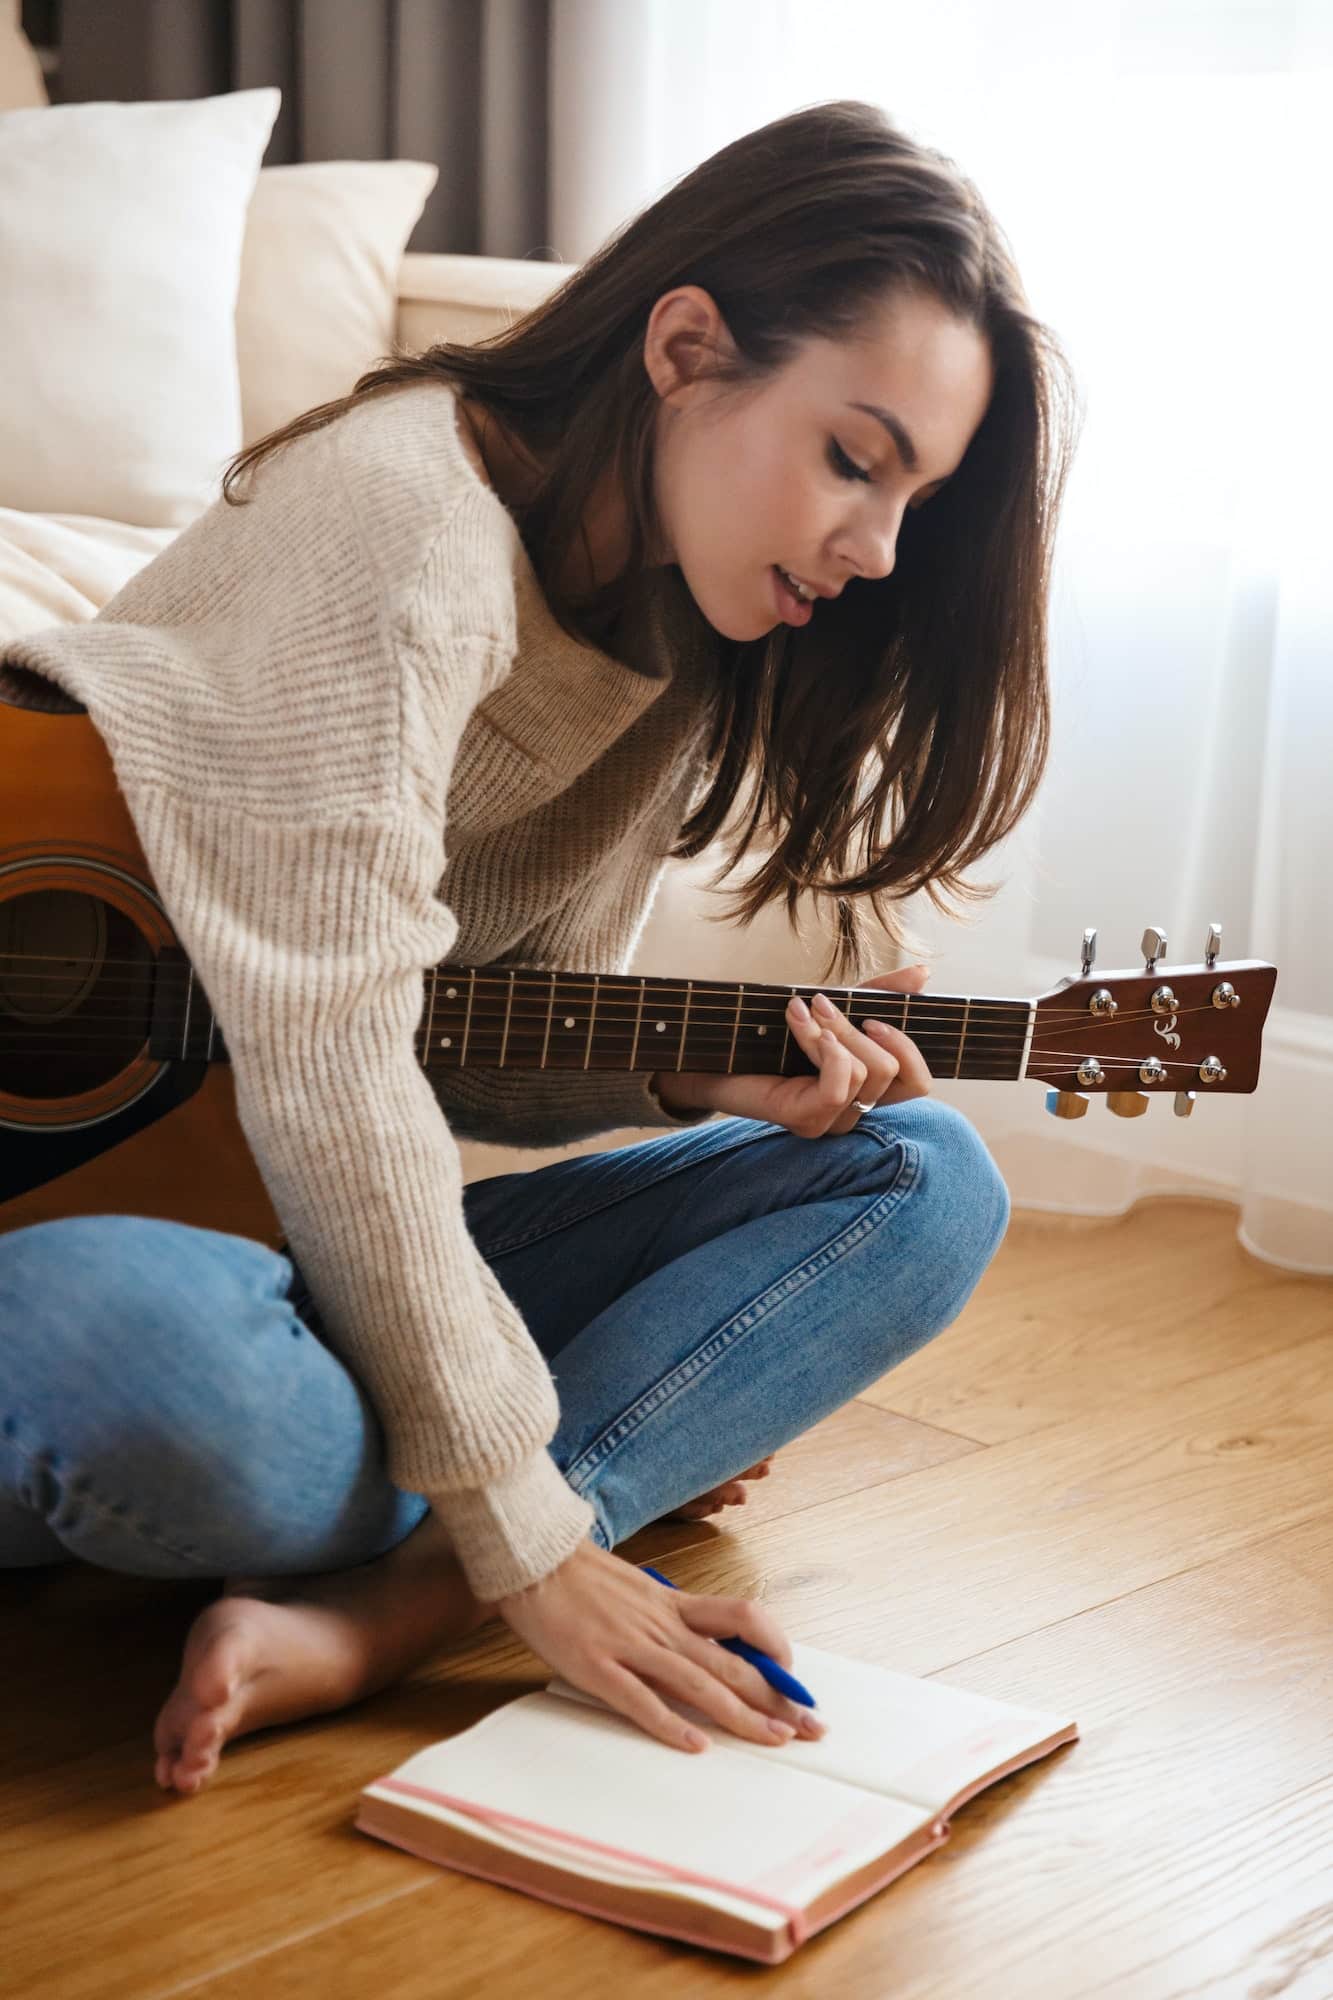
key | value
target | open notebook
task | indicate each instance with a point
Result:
(739, 1847)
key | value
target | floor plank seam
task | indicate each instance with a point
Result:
(1153, 1583)
(297, 1937)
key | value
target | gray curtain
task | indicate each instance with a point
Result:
(460, 82)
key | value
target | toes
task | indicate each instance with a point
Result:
(204, 1736)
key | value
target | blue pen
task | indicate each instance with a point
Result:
(775, 1675)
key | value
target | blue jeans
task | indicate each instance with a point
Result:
(169, 1408)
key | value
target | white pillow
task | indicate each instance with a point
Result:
(318, 303)
(120, 246)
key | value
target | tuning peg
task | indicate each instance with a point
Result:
(1089, 952)
(1211, 950)
(1126, 1103)
(1184, 1103)
(1153, 947)
(1066, 1103)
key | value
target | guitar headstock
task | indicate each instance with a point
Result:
(1182, 1030)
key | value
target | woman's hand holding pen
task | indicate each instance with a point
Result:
(613, 1631)
(872, 1064)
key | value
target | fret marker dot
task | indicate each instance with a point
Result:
(451, 992)
(661, 1027)
(762, 1031)
(569, 1020)
(446, 1042)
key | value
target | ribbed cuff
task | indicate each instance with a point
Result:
(516, 1530)
(695, 1117)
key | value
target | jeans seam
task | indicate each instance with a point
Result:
(505, 1244)
(100, 1507)
(789, 1286)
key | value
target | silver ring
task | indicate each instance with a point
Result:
(864, 1107)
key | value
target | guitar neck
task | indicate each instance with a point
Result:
(483, 1018)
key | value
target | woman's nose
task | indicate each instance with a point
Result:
(876, 548)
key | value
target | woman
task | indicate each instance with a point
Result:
(477, 647)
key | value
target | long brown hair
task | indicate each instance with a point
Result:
(886, 746)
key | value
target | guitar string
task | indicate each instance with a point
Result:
(109, 1029)
(1002, 1028)
(924, 1010)
(1063, 1059)
(613, 1003)
(1047, 1070)
(573, 985)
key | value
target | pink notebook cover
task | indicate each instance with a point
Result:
(768, 1896)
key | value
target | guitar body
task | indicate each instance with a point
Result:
(90, 1124)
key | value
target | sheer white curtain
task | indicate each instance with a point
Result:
(1162, 171)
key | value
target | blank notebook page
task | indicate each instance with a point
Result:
(922, 1741)
(773, 1827)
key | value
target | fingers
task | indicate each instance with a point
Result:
(851, 1065)
(732, 1692)
(632, 1697)
(735, 1618)
(884, 1065)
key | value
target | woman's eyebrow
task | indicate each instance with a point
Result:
(906, 449)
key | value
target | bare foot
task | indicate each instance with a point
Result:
(277, 1649)
(731, 1493)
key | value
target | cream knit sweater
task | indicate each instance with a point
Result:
(313, 703)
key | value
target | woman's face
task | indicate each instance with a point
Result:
(794, 473)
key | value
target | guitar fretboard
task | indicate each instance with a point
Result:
(482, 1018)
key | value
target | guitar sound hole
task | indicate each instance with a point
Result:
(76, 983)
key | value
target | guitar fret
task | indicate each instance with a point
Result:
(786, 1037)
(735, 1029)
(638, 1023)
(509, 1008)
(685, 1023)
(467, 1025)
(962, 1033)
(550, 1009)
(430, 1015)
(592, 1016)
(185, 1025)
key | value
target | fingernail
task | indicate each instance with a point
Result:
(811, 1726)
(695, 1740)
(824, 1006)
(799, 1008)
(783, 1731)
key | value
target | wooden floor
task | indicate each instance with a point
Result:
(1107, 1489)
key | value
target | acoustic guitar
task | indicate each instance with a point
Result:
(115, 1091)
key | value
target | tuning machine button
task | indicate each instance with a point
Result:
(1213, 946)
(1184, 1103)
(1153, 947)
(1126, 1103)
(1066, 1103)
(1089, 952)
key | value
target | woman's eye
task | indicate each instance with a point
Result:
(843, 465)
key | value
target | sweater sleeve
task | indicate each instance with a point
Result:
(541, 1108)
(311, 942)
(556, 1107)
